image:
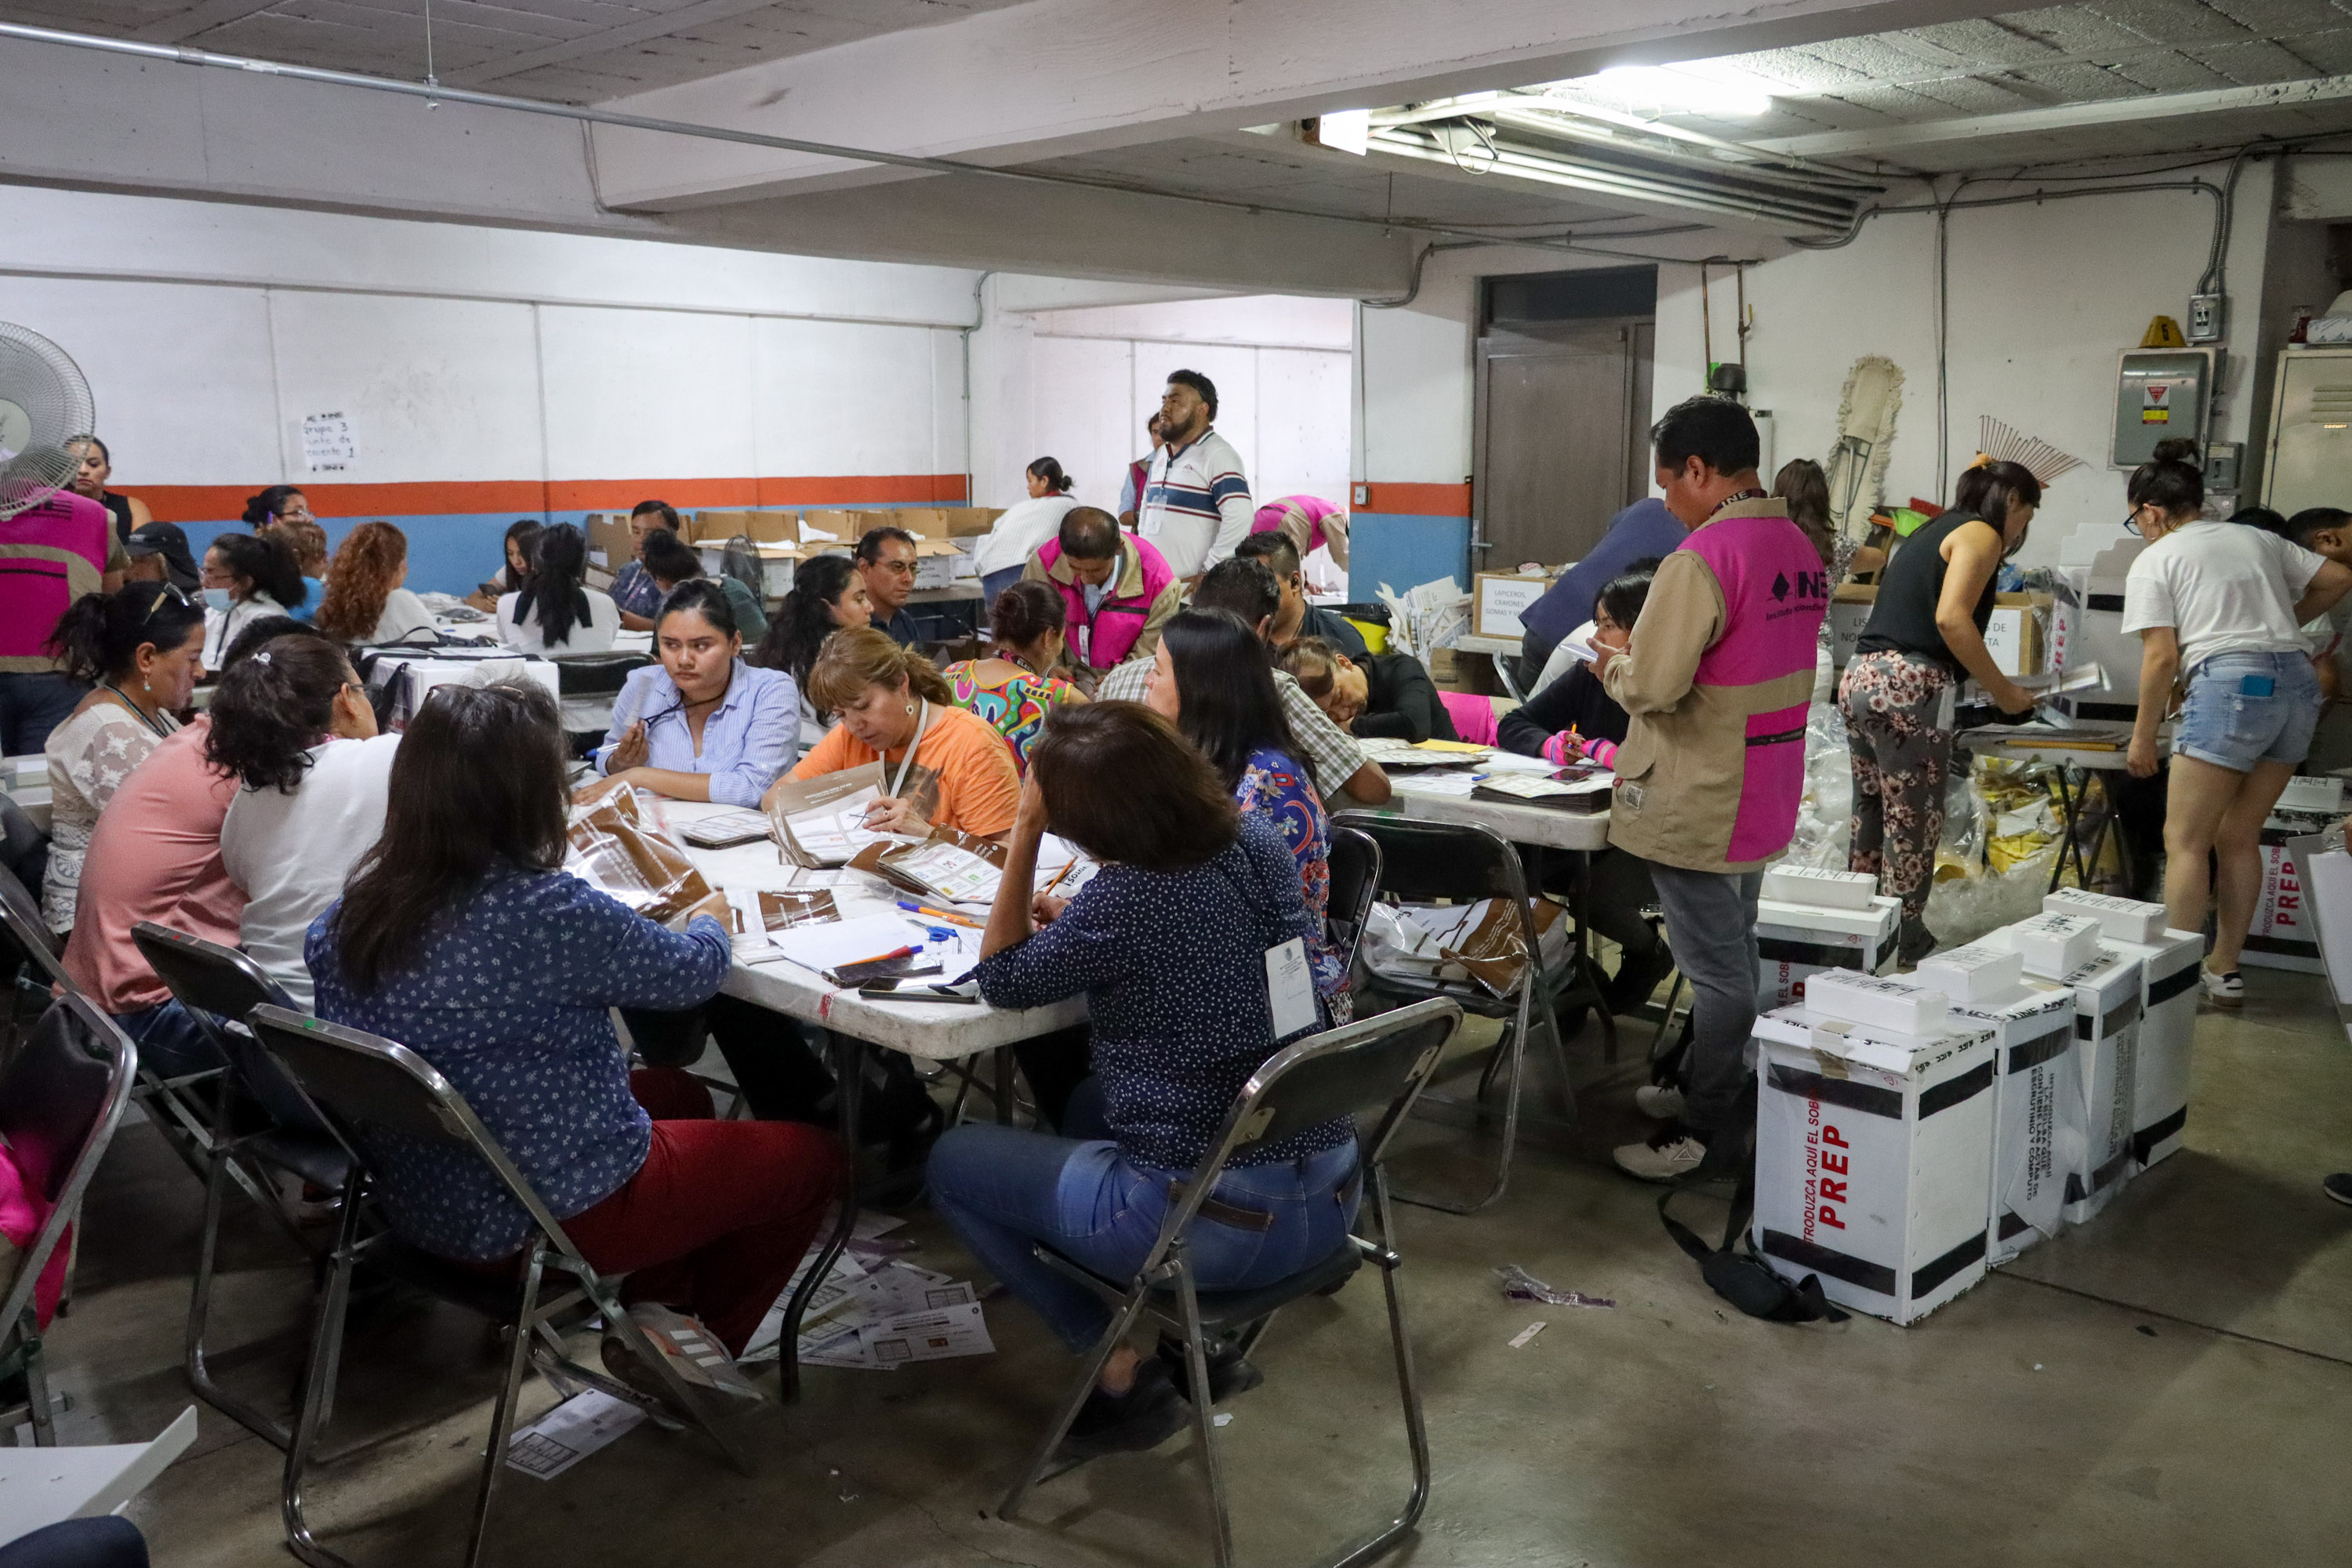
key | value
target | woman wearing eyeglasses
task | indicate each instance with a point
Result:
(2225, 604)
(141, 649)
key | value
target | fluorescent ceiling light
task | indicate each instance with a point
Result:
(1700, 88)
(1346, 129)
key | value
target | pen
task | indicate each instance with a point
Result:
(938, 914)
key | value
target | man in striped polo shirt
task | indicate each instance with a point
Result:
(1196, 507)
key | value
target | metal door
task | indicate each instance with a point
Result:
(1561, 440)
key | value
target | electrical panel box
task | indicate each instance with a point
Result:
(2161, 394)
(2310, 458)
(2224, 462)
(2208, 316)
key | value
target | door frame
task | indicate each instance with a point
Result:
(1522, 340)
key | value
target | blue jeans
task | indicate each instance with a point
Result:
(171, 1046)
(995, 583)
(1004, 1188)
(33, 703)
(2223, 724)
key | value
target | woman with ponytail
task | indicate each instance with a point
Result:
(141, 650)
(366, 602)
(293, 727)
(248, 576)
(1024, 529)
(555, 611)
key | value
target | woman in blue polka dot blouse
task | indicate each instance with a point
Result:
(1168, 942)
(461, 936)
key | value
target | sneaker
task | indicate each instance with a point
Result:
(1146, 1416)
(629, 1361)
(2223, 990)
(1671, 1153)
(2338, 1186)
(1230, 1372)
(1659, 1101)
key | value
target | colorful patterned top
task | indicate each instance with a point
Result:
(1015, 707)
(1275, 787)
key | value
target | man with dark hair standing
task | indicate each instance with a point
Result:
(1716, 677)
(1117, 591)
(1248, 589)
(885, 560)
(1196, 506)
(1297, 618)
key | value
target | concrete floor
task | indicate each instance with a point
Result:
(2166, 1386)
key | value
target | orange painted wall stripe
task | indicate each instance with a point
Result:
(202, 503)
(1419, 500)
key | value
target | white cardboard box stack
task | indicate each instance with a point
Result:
(1873, 1158)
(2037, 1108)
(2168, 1021)
(1796, 941)
(2097, 1157)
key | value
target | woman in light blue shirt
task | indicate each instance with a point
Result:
(702, 724)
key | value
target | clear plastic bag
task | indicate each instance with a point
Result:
(1825, 816)
(613, 851)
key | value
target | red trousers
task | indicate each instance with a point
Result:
(720, 1215)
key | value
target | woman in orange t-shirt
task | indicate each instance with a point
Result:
(943, 766)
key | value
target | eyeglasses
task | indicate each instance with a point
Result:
(165, 591)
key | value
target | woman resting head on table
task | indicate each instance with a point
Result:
(943, 766)
(1381, 695)
(460, 937)
(702, 724)
(1213, 680)
(1168, 944)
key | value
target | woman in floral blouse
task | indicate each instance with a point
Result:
(1016, 688)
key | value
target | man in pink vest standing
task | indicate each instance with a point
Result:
(1715, 675)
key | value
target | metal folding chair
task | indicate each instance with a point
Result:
(360, 1084)
(1424, 861)
(61, 1097)
(219, 986)
(1383, 1064)
(185, 1123)
(28, 950)
(1355, 873)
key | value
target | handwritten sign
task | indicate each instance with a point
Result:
(329, 446)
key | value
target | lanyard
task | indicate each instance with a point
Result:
(1733, 499)
(154, 724)
(922, 720)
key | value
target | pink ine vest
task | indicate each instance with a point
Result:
(36, 577)
(1774, 596)
(1106, 637)
(1313, 507)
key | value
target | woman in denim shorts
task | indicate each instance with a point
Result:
(2223, 603)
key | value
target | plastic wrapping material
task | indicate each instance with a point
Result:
(1518, 1285)
(1825, 817)
(1459, 942)
(1963, 908)
(613, 851)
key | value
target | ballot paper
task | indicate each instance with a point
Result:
(832, 944)
(1391, 752)
(725, 830)
(834, 1346)
(941, 868)
(932, 1335)
(822, 821)
(1447, 784)
(829, 1297)
(899, 1288)
(571, 1432)
(2057, 683)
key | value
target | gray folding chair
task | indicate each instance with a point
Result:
(61, 1097)
(28, 950)
(1381, 1064)
(360, 1084)
(1424, 861)
(219, 986)
(1355, 875)
(183, 1120)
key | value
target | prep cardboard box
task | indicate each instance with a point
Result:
(1874, 1161)
(2280, 935)
(2013, 635)
(2168, 1032)
(1795, 940)
(1848, 612)
(1496, 599)
(2098, 1159)
(2037, 1110)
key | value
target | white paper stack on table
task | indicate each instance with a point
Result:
(876, 1314)
(1811, 919)
(2169, 996)
(1874, 1144)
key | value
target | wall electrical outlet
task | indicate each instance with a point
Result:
(1363, 495)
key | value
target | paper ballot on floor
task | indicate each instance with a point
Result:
(929, 1336)
(571, 1432)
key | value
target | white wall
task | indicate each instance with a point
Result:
(1076, 385)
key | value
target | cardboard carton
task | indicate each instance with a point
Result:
(1794, 941)
(611, 545)
(2086, 628)
(1971, 974)
(2013, 635)
(2054, 946)
(1848, 612)
(2038, 1109)
(831, 526)
(1869, 1002)
(2168, 1032)
(1874, 1162)
(2098, 1158)
(1497, 598)
(2120, 920)
(969, 522)
(2280, 935)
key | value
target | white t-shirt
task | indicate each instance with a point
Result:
(291, 853)
(2223, 587)
(1020, 533)
(593, 636)
(404, 613)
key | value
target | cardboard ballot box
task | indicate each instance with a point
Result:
(2037, 1109)
(1795, 940)
(2098, 1159)
(1874, 1161)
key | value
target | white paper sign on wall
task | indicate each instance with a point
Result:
(329, 446)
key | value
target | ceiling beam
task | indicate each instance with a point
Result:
(1057, 77)
(182, 26)
(2067, 117)
(661, 25)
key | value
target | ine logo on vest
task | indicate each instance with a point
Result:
(1810, 588)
